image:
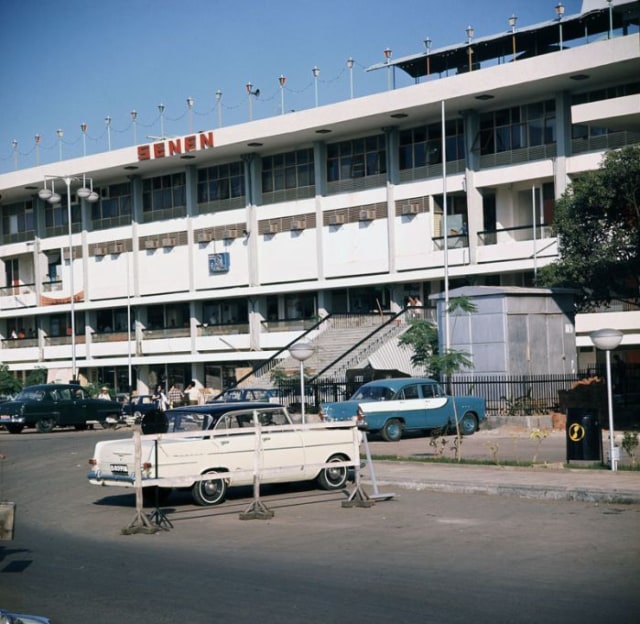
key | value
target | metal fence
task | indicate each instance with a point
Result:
(512, 395)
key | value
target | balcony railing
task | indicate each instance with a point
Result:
(223, 330)
(514, 234)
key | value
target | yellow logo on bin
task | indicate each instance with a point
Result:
(576, 432)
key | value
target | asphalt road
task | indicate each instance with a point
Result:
(421, 557)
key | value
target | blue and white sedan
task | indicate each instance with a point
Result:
(391, 407)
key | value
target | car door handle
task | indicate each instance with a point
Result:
(266, 438)
(223, 442)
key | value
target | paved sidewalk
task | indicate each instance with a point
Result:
(548, 479)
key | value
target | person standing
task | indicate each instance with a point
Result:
(192, 393)
(161, 398)
(175, 396)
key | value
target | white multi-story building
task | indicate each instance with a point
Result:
(209, 252)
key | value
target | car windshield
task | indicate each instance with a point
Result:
(373, 393)
(30, 394)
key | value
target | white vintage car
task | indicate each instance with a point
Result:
(237, 439)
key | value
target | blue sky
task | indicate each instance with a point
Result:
(68, 62)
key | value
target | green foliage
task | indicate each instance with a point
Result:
(8, 382)
(36, 376)
(422, 338)
(630, 444)
(597, 221)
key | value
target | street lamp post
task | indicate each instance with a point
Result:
(301, 351)
(350, 63)
(316, 73)
(282, 79)
(190, 103)
(52, 197)
(470, 32)
(560, 14)
(251, 92)
(512, 24)
(219, 107)
(134, 117)
(427, 45)
(388, 53)
(607, 340)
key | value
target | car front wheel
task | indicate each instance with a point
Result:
(392, 430)
(46, 425)
(13, 428)
(333, 477)
(210, 492)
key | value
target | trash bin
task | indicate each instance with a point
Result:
(584, 438)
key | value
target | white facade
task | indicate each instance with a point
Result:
(210, 252)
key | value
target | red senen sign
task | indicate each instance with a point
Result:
(172, 147)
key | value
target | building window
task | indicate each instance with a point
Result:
(55, 217)
(358, 158)
(518, 127)
(292, 170)
(421, 147)
(220, 183)
(18, 221)
(164, 197)
(114, 207)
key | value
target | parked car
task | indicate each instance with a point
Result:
(133, 410)
(246, 394)
(45, 406)
(7, 617)
(394, 406)
(289, 452)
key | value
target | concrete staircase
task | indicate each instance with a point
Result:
(338, 335)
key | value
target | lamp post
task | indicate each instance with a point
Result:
(134, 117)
(37, 139)
(470, 32)
(607, 340)
(251, 92)
(219, 107)
(388, 53)
(560, 13)
(161, 108)
(14, 144)
(59, 134)
(301, 351)
(316, 73)
(190, 102)
(350, 63)
(609, 2)
(52, 197)
(512, 24)
(83, 128)
(282, 79)
(427, 45)
(107, 121)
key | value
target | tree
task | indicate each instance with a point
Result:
(8, 383)
(422, 337)
(597, 222)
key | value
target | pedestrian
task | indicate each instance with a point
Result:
(192, 393)
(104, 394)
(175, 396)
(161, 398)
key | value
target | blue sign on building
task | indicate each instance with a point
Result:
(219, 263)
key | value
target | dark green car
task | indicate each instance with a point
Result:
(46, 406)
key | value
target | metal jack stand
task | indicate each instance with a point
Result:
(158, 517)
(376, 494)
(257, 510)
(359, 498)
